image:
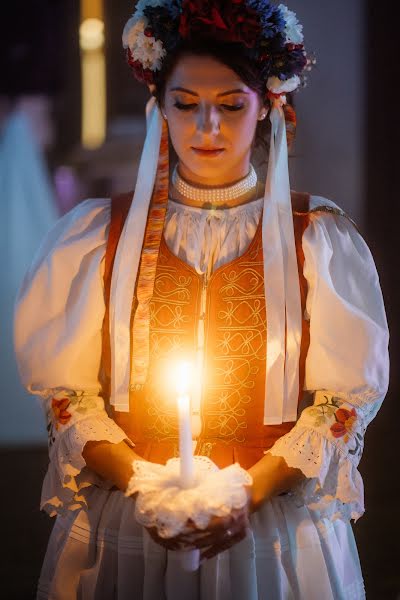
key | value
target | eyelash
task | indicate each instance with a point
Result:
(187, 107)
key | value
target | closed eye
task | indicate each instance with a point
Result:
(181, 106)
(230, 107)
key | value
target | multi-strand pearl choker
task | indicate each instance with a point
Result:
(214, 195)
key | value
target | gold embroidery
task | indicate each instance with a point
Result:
(205, 449)
(239, 350)
(167, 285)
(236, 357)
(170, 313)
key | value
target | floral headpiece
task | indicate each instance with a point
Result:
(270, 35)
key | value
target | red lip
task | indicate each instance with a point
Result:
(208, 149)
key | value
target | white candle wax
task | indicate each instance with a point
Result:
(185, 441)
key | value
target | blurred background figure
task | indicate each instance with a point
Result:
(28, 210)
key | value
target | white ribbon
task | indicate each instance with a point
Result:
(127, 259)
(281, 281)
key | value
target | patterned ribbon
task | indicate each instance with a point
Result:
(127, 261)
(148, 266)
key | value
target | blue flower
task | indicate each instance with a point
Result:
(163, 25)
(271, 17)
(174, 8)
(288, 63)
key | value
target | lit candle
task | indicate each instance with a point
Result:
(185, 429)
(190, 559)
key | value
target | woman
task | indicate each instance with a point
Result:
(274, 294)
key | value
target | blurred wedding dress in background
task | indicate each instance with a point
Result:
(28, 210)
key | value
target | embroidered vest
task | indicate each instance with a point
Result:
(236, 319)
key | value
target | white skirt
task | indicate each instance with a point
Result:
(291, 553)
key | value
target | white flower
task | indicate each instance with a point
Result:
(276, 86)
(293, 29)
(148, 51)
(132, 31)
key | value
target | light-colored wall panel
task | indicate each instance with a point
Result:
(328, 154)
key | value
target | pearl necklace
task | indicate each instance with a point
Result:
(214, 195)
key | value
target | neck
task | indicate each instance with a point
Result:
(219, 180)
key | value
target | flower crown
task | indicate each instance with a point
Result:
(270, 35)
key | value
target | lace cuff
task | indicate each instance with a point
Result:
(326, 445)
(68, 476)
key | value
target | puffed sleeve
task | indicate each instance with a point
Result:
(347, 367)
(58, 320)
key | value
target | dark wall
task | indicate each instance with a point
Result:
(378, 531)
(125, 94)
(39, 54)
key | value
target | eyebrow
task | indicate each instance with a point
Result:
(228, 93)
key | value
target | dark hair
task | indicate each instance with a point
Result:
(231, 55)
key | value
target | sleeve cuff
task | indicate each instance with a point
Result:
(68, 476)
(334, 486)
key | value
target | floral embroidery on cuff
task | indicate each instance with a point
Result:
(65, 406)
(344, 423)
(59, 408)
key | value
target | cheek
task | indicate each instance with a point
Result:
(180, 130)
(242, 130)
(250, 119)
(178, 143)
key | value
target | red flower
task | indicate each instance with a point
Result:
(345, 420)
(231, 21)
(141, 74)
(59, 408)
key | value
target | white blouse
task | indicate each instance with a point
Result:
(59, 314)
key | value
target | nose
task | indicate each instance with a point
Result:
(208, 119)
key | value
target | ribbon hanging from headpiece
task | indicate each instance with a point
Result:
(127, 260)
(281, 281)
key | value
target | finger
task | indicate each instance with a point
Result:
(203, 537)
(174, 543)
(218, 548)
(220, 523)
(218, 539)
(181, 541)
(225, 541)
(219, 536)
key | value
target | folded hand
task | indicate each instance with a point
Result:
(220, 534)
